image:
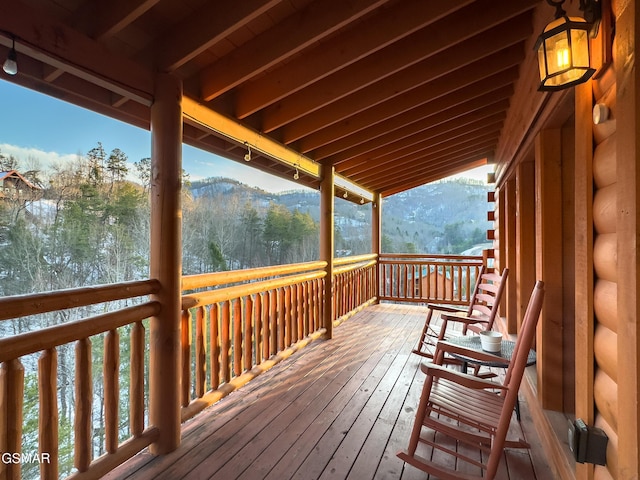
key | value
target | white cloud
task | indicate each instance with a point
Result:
(26, 154)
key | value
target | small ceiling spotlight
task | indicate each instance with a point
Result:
(345, 194)
(10, 65)
(361, 201)
(247, 156)
(296, 175)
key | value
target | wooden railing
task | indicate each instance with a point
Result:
(235, 325)
(445, 279)
(45, 343)
(242, 324)
(354, 285)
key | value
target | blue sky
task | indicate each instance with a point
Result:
(33, 125)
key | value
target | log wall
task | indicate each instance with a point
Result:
(605, 261)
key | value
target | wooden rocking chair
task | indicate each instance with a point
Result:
(480, 315)
(463, 411)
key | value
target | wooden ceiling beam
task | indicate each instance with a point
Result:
(438, 163)
(393, 130)
(409, 158)
(457, 57)
(461, 25)
(319, 20)
(461, 56)
(205, 27)
(56, 44)
(381, 29)
(453, 169)
(104, 19)
(444, 108)
(480, 73)
(425, 129)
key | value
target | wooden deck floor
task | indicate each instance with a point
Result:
(339, 409)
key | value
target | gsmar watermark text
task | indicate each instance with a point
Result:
(26, 457)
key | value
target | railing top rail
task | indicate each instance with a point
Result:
(49, 337)
(354, 259)
(446, 262)
(32, 304)
(352, 267)
(214, 296)
(387, 256)
(191, 282)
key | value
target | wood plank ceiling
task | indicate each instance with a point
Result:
(393, 93)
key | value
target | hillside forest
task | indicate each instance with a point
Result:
(87, 223)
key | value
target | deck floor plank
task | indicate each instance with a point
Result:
(338, 409)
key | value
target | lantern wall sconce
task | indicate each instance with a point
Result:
(563, 47)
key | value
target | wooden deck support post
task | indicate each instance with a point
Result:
(510, 247)
(525, 235)
(376, 238)
(326, 245)
(628, 227)
(166, 260)
(549, 261)
(584, 276)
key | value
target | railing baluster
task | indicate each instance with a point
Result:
(136, 407)
(248, 334)
(237, 337)
(48, 413)
(293, 313)
(185, 352)
(201, 352)
(274, 296)
(281, 319)
(225, 343)
(111, 389)
(11, 404)
(84, 395)
(257, 327)
(214, 319)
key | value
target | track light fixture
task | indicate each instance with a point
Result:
(345, 194)
(10, 65)
(296, 175)
(247, 156)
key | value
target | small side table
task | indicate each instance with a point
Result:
(472, 342)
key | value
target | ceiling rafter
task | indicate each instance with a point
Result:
(202, 29)
(441, 146)
(429, 163)
(388, 26)
(440, 111)
(478, 72)
(104, 19)
(503, 41)
(452, 169)
(396, 57)
(295, 33)
(425, 129)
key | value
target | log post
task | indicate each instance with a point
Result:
(628, 227)
(166, 260)
(326, 245)
(376, 238)
(549, 262)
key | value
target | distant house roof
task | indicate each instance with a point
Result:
(14, 174)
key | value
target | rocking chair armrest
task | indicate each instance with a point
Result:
(471, 354)
(446, 308)
(470, 381)
(466, 320)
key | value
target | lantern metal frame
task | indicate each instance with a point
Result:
(568, 25)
